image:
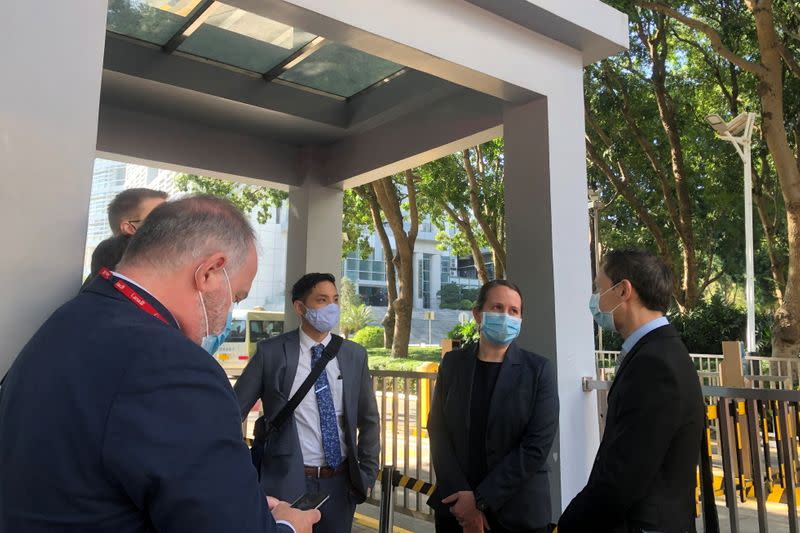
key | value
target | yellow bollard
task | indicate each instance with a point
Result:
(425, 393)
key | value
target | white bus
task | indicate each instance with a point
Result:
(248, 327)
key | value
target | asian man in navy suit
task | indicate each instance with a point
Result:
(113, 418)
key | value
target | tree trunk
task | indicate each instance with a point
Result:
(465, 225)
(770, 73)
(498, 250)
(786, 332)
(389, 200)
(760, 197)
(388, 322)
(658, 48)
(499, 268)
(621, 185)
(403, 305)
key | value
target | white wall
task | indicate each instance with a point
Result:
(51, 63)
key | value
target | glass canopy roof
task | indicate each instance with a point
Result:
(224, 34)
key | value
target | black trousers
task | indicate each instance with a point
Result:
(448, 524)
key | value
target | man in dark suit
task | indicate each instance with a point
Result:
(331, 444)
(114, 419)
(644, 474)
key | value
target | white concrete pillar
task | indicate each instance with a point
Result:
(49, 97)
(436, 279)
(548, 256)
(417, 283)
(314, 242)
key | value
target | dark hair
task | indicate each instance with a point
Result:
(188, 229)
(108, 253)
(125, 204)
(649, 274)
(483, 294)
(306, 284)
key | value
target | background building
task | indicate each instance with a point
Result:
(433, 268)
(112, 177)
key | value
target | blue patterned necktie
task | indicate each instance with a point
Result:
(327, 413)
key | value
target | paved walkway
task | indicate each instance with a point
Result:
(367, 520)
(445, 320)
(777, 515)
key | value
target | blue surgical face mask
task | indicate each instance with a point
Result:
(323, 319)
(604, 319)
(500, 328)
(211, 343)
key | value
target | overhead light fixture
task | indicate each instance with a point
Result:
(733, 128)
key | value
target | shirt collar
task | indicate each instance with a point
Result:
(129, 280)
(306, 342)
(643, 330)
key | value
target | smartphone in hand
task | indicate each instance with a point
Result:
(310, 501)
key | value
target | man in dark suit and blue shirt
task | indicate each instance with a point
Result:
(644, 475)
(114, 419)
(331, 443)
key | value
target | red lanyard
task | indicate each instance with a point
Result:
(132, 295)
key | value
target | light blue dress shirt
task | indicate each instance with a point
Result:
(637, 335)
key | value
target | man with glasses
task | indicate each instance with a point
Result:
(126, 212)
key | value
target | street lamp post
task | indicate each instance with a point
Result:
(739, 132)
(596, 205)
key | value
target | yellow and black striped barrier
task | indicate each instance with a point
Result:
(410, 483)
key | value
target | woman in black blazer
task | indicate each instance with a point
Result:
(493, 420)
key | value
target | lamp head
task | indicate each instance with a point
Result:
(716, 122)
(738, 124)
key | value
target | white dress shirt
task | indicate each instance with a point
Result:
(307, 413)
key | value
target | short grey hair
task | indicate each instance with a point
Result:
(188, 229)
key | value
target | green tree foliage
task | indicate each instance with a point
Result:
(453, 296)
(450, 296)
(246, 197)
(357, 224)
(464, 191)
(692, 58)
(348, 296)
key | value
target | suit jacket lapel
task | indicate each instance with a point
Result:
(291, 353)
(351, 386)
(466, 375)
(507, 381)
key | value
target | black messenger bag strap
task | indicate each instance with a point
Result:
(263, 430)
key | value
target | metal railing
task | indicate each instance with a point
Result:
(761, 372)
(772, 372)
(750, 450)
(403, 403)
(703, 362)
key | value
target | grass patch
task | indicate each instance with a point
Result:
(381, 358)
